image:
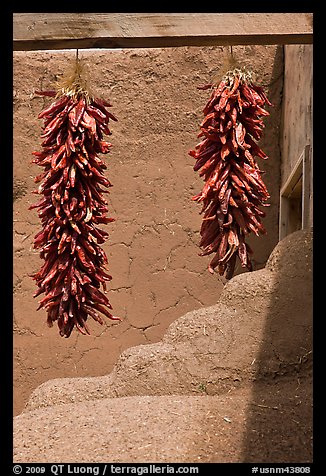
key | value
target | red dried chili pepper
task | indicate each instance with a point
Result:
(234, 189)
(72, 182)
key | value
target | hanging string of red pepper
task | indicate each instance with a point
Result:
(72, 185)
(234, 190)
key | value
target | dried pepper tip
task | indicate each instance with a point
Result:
(73, 207)
(234, 190)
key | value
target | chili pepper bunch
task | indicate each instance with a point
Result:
(234, 190)
(72, 207)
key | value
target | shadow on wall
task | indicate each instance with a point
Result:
(279, 423)
(279, 415)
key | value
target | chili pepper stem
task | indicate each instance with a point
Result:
(244, 75)
(74, 82)
(232, 68)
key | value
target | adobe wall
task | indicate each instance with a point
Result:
(152, 248)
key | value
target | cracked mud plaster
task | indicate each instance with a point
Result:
(152, 247)
(217, 349)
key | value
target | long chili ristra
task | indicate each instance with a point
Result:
(73, 184)
(234, 189)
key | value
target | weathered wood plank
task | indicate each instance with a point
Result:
(39, 31)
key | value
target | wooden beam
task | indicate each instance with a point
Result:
(39, 31)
